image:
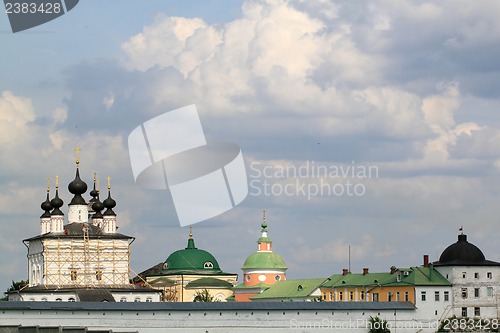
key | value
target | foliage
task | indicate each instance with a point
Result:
(204, 296)
(378, 325)
(15, 286)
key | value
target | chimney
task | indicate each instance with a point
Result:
(393, 269)
(365, 271)
(426, 260)
(345, 271)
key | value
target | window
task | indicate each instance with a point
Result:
(464, 275)
(324, 296)
(137, 299)
(149, 299)
(165, 266)
(277, 277)
(362, 296)
(399, 277)
(407, 296)
(331, 296)
(476, 292)
(340, 295)
(58, 299)
(397, 296)
(375, 297)
(208, 264)
(44, 299)
(73, 275)
(423, 296)
(123, 299)
(98, 275)
(446, 296)
(489, 291)
(351, 295)
(389, 297)
(464, 312)
(476, 275)
(247, 277)
(489, 275)
(71, 299)
(477, 311)
(464, 293)
(436, 296)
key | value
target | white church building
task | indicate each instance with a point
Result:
(84, 259)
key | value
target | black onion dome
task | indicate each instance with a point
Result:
(463, 253)
(46, 206)
(56, 203)
(77, 186)
(94, 193)
(109, 203)
(97, 207)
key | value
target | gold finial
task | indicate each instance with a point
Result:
(97, 187)
(77, 149)
(57, 182)
(190, 232)
(48, 185)
(109, 182)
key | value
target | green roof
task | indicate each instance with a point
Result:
(263, 260)
(209, 283)
(191, 259)
(291, 289)
(260, 285)
(408, 276)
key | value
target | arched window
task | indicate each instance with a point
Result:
(58, 299)
(149, 299)
(277, 277)
(165, 266)
(137, 299)
(123, 299)
(208, 264)
(71, 299)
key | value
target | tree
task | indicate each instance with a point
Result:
(15, 286)
(204, 296)
(378, 325)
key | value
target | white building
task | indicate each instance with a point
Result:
(84, 259)
(475, 280)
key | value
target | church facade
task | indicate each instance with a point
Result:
(82, 258)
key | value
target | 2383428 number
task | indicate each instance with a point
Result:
(32, 8)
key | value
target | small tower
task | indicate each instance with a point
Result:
(97, 206)
(45, 218)
(78, 211)
(109, 216)
(263, 266)
(56, 216)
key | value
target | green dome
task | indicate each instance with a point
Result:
(264, 260)
(191, 259)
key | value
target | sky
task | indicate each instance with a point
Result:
(367, 125)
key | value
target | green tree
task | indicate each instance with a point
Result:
(204, 296)
(378, 325)
(15, 286)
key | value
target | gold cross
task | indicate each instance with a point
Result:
(97, 185)
(57, 182)
(77, 149)
(48, 185)
(109, 182)
(190, 232)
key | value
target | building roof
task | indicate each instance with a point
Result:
(415, 276)
(204, 306)
(191, 260)
(75, 230)
(463, 253)
(291, 289)
(264, 260)
(94, 295)
(208, 282)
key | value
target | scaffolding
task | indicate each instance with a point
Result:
(86, 261)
